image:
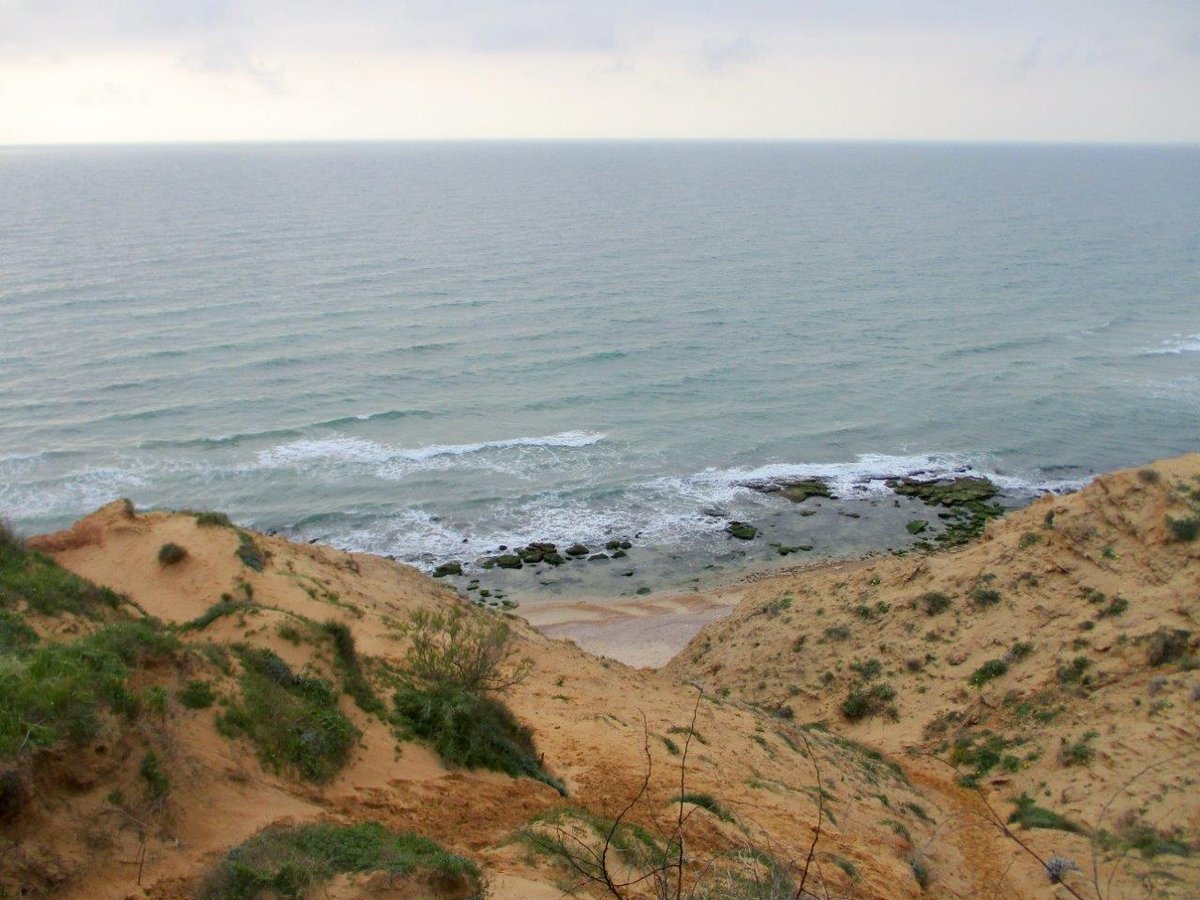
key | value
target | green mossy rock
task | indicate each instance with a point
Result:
(945, 491)
(799, 491)
(450, 568)
(743, 531)
(916, 526)
(509, 561)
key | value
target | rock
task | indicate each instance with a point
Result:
(509, 561)
(577, 550)
(543, 546)
(613, 545)
(741, 530)
(785, 550)
(598, 556)
(715, 512)
(531, 555)
(799, 491)
(945, 491)
(916, 526)
(619, 554)
(488, 562)
(553, 558)
(642, 590)
(626, 545)
(450, 568)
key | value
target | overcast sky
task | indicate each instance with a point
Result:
(186, 70)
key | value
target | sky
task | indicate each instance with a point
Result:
(115, 71)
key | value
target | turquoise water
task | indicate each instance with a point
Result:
(430, 350)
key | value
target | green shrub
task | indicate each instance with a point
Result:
(59, 691)
(1029, 815)
(993, 668)
(934, 602)
(212, 519)
(471, 731)
(462, 649)
(1184, 529)
(289, 861)
(46, 587)
(169, 554)
(250, 553)
(354, 682)
(197, 695)
(1116, 607)
(157, 782)
(868, 701)
(216, 611)
(1081, 752)
(982, 596)
(1074, 672)
(709, 802)
(15, 635)
(837, 632)
(292, 720)
(868, 670)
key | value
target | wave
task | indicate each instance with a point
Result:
(1178, 344)
(867, 474)
(360, 450)
(387, 416)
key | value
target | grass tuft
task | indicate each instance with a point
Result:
(169, 554)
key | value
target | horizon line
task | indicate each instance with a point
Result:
(211, 142)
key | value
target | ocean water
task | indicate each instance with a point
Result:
(431, 350)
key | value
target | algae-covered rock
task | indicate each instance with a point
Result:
(799, 491)
(509, 561)
(945, 491)
(450, 568)
(577, 550)
(741, 530)
(553, 558)
(785, 550)
(916, 526)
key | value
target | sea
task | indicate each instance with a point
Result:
(433, 350)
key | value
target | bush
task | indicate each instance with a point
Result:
(46, 587)
(709, 802)
(170, 554)
(868, 701)
(464, 650)
(354, 682)
(15, 634)
(471, 731)
(157, 783)
(212, 519)
(216, 611)
(934, 602)
(993, 668)
(1029, 815)
(1184, 529)
(292, 720)
(197, 695)
(288, 861)
(56, 692)
(250, 553)
(982, 596)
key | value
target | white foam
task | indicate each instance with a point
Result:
(359, 450)
(1179, 343)
(866, 475)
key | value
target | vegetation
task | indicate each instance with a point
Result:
(1029, 815)
(157, 783)
(212, 519)
(250, 553)
(869, 700)
(292, 720)
(1184, 529)
(59, 691)
(991, 669)
(45, 587)
(227, 607)
(197, 695)
(709, 802)
(288, 861)
(934, 602)
(354, 682)
(169, 554)
(457, 667)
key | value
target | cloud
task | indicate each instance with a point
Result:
(229, 57)
(721, 57)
